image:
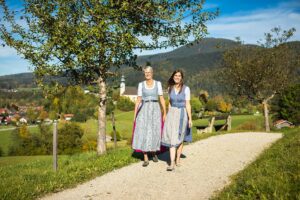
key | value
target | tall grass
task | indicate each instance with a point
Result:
(29, 180)
(274, 175)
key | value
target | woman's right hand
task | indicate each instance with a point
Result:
(164, 117)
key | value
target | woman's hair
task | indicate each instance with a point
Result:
(148, 67)
(171, 81)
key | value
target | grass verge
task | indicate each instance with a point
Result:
(274, 175)
(29, 180)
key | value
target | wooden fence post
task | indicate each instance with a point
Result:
(55, 145)
(114, 128)
(229, 123)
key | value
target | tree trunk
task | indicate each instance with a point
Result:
(266, 114)
(101, 141)
(266, 111)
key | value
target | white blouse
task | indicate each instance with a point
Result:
(140, 87)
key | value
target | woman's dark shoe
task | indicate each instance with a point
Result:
(146, 163)
(155, 158)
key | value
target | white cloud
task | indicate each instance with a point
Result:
(6, 52)
(251, 26)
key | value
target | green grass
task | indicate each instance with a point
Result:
(15, 160)
(33, 177)
(6, 126)
(5, 140)
(237, 120)
(124, 124)
(274, 175)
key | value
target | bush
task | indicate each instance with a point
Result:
(196, 105)
(80, 117)
(69, 138)
(288, 105)
(22, 144)
(252, 125)
(211, 105)
(1, 152)
(110, 107)
(194, 116)
(46, 137)
(90, 145)
(125, 104)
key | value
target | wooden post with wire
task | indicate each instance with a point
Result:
(114, 128)
(55, 145)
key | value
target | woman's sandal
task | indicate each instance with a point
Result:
(171, 167)
(155, 158)
(146, 163)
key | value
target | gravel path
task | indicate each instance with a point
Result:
(207, 167)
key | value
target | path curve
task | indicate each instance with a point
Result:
(207, 167)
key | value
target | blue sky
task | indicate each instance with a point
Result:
(246, 19)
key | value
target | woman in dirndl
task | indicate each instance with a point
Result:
(178, 123)
(149, 116)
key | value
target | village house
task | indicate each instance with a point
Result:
(279, 124)
(130, 92)
(68, 117)
(5, 116)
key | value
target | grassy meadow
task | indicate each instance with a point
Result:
(124, 123)
(32, 176)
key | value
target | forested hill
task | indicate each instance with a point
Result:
(17, 81)
(193, 59)
(199, 61)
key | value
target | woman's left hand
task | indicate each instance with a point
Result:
(164, 117)
(190, 123)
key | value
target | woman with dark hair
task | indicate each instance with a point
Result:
(148, 117)
(178, 123)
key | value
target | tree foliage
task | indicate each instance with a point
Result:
(83, 39)
(69, 138)
(288, 105)
(260, 72)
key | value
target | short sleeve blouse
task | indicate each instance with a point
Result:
(159, 87)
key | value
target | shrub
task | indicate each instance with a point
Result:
(194, 116)
(125, 104)
(1, 152)
(69, 138)
(90, 145)
(252, 125)
(80, 117)
(22, 144)
(288, 105)
(211, 105)
(46, 137)
(109, 107)
(196, 105)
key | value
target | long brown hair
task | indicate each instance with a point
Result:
(171, 81)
